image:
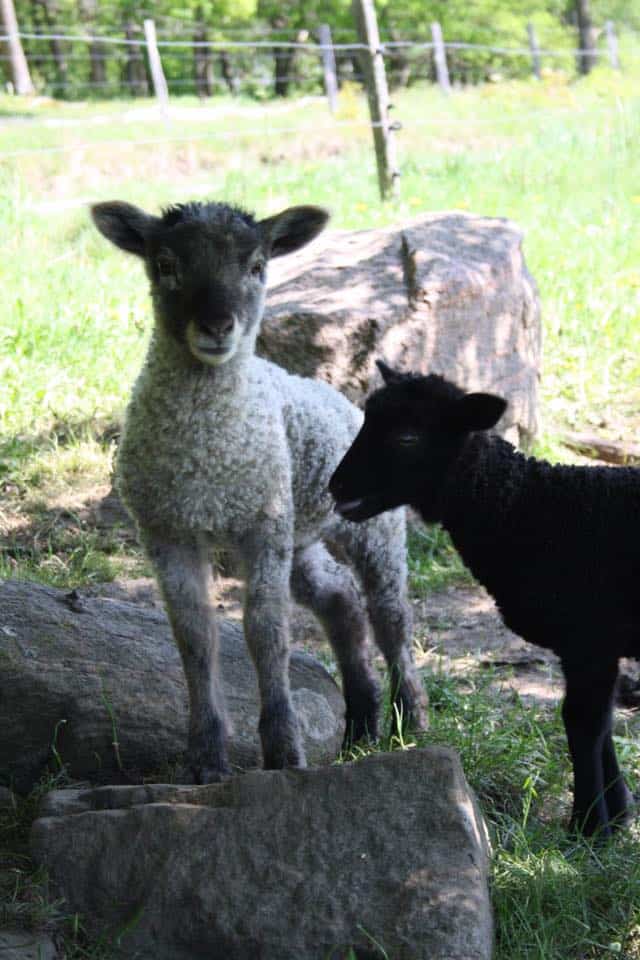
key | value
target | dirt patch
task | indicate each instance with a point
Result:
(457, 630)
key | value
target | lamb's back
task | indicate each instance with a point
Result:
(558, 547)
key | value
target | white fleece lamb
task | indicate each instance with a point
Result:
(224, 449)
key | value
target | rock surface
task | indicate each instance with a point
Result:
(389, 853)
(447, 293)
(26, 945)
(83, 672)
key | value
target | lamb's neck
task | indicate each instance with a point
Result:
(483, 486)
(173, 364)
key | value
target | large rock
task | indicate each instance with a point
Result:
(388, 854)
(81, 673)
(26, 945)
(447, 293)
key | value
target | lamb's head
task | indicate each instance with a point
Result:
(413, 430)
(207, 266)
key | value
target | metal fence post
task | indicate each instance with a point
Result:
(535, 50)
(328, 65)
(155, 65)
(378, 95)
(440, 58)
(612, 44)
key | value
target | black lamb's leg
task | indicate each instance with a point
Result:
(587, 712)
(618, 797)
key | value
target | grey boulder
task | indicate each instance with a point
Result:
(26, 945)
(386, 854)
(446, 293)
(97, 684)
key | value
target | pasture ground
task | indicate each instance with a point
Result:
(560, 159)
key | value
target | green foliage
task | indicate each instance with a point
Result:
(485, 22)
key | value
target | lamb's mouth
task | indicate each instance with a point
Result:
(360, 508)
(213, 353)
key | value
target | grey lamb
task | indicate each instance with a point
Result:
(222, 448)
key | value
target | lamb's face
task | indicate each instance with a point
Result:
(414, 428)
(207, 266)
(390, 458)
(208, 285)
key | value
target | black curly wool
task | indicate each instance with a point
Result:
(553, 544)
(556, 546)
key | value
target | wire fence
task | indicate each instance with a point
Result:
(75, 64)
(96, 66)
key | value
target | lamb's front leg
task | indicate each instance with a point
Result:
(185, 578)
(266, 626)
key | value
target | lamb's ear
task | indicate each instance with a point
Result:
(291, 229)
(389, 375)
(125, 225)
(477, 411)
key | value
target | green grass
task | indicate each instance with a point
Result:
(554, 897)
(560, 159)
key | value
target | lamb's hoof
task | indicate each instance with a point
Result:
(280, 737)
(409, 703)
(289, 760)
(191, 774)
(360, 729)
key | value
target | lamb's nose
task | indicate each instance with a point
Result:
(217, 328)
(227, 327)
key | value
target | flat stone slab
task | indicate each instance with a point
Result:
(389, 853)
(100, 682)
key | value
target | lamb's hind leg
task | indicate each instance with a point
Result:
(266, 627)
(600, 793)
(185, 578)
(378, 549)
(328, 589)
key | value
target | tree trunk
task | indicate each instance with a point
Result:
(97, 64)
(283, 57)
(49, 9)
(399, 65)
(97, 51)
(19, 67)
(227, 72)
(203, 62)
(586, 37)
(135, 71)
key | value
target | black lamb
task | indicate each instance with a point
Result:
(556, 546)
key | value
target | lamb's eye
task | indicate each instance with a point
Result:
(257, 269)
(166, 266)
(407, 439)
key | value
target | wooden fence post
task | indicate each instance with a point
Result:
(19, 67)
(378, 96)
(612, 44)
(155, 65)
(328, 65)
(535, 50)
(440, 58)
